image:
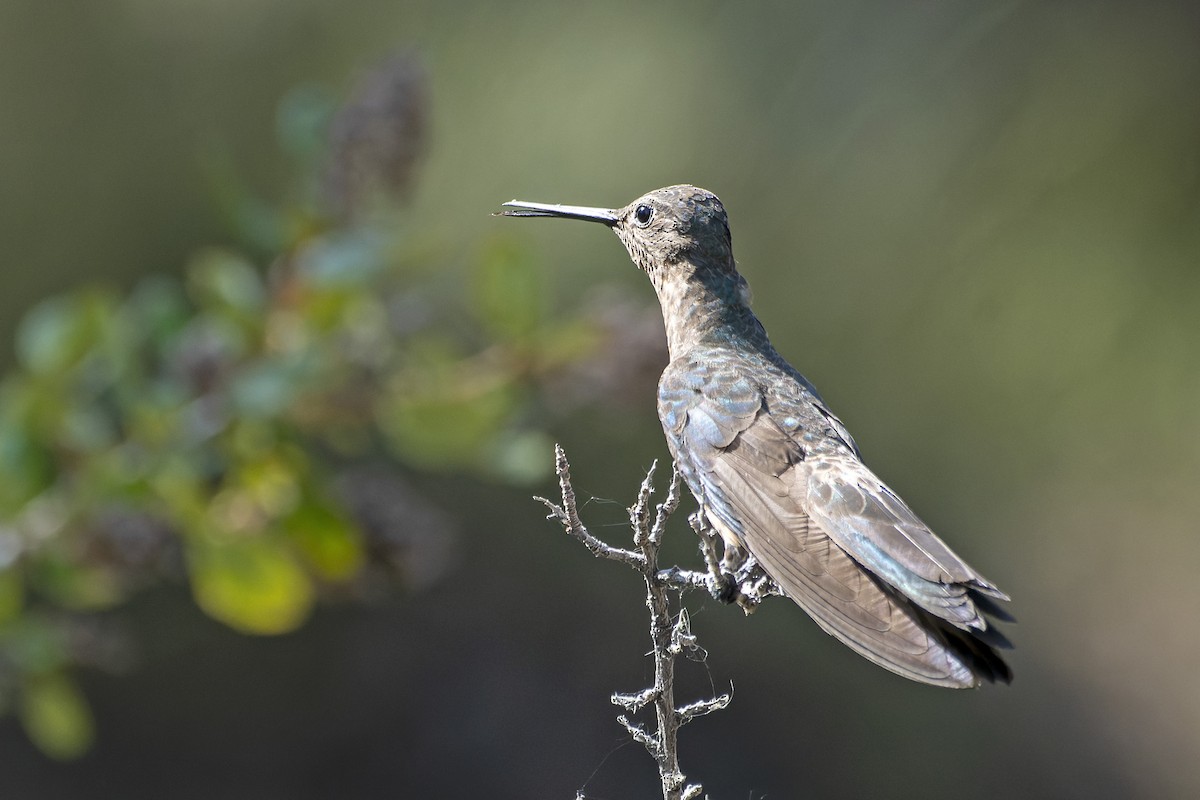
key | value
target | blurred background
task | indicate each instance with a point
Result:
(278, 389)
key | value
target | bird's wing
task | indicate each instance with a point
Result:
(868, 520)
(756, 484)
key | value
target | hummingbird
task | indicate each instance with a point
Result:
(775, 472)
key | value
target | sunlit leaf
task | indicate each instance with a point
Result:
(332, 545)
(272, 483)
(251, 584)
(56, 716)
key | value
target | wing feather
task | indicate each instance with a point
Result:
(855, 559)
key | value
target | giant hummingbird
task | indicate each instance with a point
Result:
(777, 474)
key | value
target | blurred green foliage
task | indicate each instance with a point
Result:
(191, 428)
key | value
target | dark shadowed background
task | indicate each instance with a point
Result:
(974, 226)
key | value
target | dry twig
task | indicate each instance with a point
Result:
(731, 578)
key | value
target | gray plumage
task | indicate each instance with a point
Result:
(776, 473)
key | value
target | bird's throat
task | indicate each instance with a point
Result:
(704, 306)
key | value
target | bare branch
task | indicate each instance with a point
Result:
(568, 516)
(708, 542)
(635, 701)
(683, 642)
(702, 707)
(639, 511)
(681, 579)
(639, 734)
(667, 507)
(670, 634)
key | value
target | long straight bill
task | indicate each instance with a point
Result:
(522, 209)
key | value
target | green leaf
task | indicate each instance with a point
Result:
(26, 465)
(328, 540)
(72, 583)
(273, 482)
(158, 306)
(56, 716)
(34, 644)
(179, 486)
(253, 585)
(267, 388)
(86, 429)
(219, 278)
(348, 259)
(52, 336)
(58, 333)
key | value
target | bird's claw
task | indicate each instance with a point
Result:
(725, 587)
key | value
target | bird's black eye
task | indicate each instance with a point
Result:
(643, 215)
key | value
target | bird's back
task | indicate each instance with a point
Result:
(778, 474)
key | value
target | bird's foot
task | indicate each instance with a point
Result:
(754, 586)
(734, 559)
(747, 587)
(735, 576)
(725, 587)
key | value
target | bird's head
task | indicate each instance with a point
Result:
(662, 230)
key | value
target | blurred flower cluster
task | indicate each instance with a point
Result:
(212, 429)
